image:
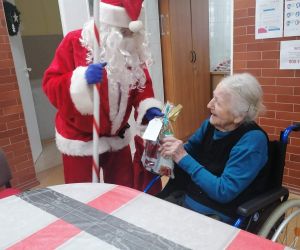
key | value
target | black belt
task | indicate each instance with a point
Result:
(122, 131)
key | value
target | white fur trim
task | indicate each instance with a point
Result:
(87, 40)
(117, 110)
(81, 93)
(135, 26)
(117, 16)
(81, 148)
(144, 106)
(114, 15)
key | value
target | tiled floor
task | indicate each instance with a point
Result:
(49, 165)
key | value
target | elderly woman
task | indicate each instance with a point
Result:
(224, 163)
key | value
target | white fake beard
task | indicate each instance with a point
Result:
(125, 56)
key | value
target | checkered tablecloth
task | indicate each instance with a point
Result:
(106, 216)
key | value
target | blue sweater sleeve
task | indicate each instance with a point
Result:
(246, 159)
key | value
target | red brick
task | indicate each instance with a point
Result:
(240, 56)
(278, 90)
(292, 180)
(9, 95)
(296, 108)
(244, 39)
(239, 48)
(269, 97)
(295, 158)
(3, 126)
(240, 13)
(260, 46)
(240, 31)
(292, 165)
(274, 122)
(8, 79)
(8, 118)
(279, 106)
(13, 110)
(253, 55)
(251, 11)
(243, 21)
(267, 81)
(293, 149)
(8, 87)
(239, 64)
(262, 64)
(288, 116)
(268, 114)
(288, 81)
(255, 72)
(4, 142)
(277, 73)
(19, 159)
(251, 30)
(270, 55)
(10, 132)
(243, 4)
(297, 91)
(269, 130)
(288, 99)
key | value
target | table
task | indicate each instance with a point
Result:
(106, 216)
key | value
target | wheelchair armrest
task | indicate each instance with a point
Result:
(250, 207)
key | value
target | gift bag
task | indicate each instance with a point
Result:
(141, 176)
(151, 159)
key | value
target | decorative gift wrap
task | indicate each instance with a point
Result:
(157, 129)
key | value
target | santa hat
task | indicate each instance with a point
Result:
(122, 13)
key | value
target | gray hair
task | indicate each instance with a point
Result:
(246, 95)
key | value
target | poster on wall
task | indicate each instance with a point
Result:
(290, 54)
(292, 18)
(268, 19)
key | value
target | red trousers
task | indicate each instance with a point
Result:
(116, 165)
(118, 168)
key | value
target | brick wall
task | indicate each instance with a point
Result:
(281, 87)
(13, 133)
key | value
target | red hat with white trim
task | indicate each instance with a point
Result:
(122, 13)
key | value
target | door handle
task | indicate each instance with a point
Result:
(193, 56)
(28, 69)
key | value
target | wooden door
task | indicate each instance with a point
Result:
(180, 72)
(201, 67)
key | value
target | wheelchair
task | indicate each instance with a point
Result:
(271, 215)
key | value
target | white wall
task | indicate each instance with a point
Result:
(152, 27)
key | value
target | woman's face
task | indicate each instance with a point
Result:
(221, 110)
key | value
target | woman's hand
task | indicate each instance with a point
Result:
(172, 147)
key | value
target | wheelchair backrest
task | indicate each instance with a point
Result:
(277, 152)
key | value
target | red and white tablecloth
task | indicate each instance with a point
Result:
(106, 216)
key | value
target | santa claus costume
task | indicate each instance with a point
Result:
(126, 84)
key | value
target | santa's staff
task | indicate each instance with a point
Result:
(96, 121)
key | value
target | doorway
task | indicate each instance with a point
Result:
(40, 34)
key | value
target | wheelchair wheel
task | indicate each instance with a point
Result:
(283, 225)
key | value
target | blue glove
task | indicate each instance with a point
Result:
(153, 112)
(94, 73)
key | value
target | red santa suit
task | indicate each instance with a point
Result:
(67, 89)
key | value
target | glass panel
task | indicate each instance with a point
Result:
(220, 23)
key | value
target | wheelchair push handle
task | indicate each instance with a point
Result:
(285, 135)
